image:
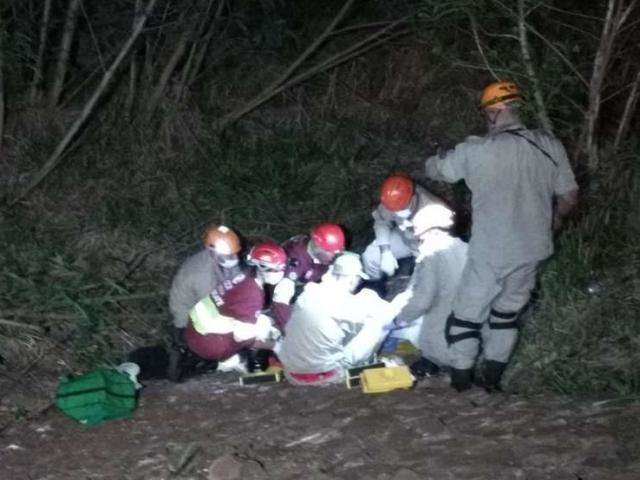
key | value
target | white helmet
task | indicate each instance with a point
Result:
(348, 264)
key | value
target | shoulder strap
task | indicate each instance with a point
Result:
(516, 132)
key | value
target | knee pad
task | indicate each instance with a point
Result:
(453, 321)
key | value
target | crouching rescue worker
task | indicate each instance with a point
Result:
(515, 176)
(394, 225)
(229, 319)
(331, 327)
(196, 278)
(429, 296)
(308, 259)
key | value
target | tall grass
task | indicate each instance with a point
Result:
(584, 336)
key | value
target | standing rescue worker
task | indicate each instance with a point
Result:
(515, 176)
(394, 225)
(230, 318)
(331, 327)
(308, 259)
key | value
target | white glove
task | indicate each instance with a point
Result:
(405, 225)
(284, 291)
(388, 263)
(264, 326)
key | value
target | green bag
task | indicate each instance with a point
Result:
(92, 398)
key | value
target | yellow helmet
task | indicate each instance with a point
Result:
(500, 93)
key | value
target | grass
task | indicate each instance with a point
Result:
(88, 258)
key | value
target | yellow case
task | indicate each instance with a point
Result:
(380, 380)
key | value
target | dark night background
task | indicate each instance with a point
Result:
(222, 112)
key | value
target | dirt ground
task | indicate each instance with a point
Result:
(212, 428)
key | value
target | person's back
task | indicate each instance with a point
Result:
(313, 340)
(512, 184)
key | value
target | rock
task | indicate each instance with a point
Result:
(406, 474)
(226, 467)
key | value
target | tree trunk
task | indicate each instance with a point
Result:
(56, 156)
(2, 104)
(629, 109)
(133, 72)
(543, 116)
(36, 83)
(70, 24)
(170, 67)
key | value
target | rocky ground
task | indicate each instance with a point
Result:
(212, 428)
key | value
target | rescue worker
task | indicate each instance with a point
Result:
(429, 296)
(332, 328)
(196, 278)
(308, 259)
(394, 225)
(515, 176)
(230, 318)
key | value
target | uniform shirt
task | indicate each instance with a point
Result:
(241, 299)
(332, 329)
(512, 184)
(384, 220)
(196, 278)
(301, 266)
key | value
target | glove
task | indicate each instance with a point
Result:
(284, 291)
(388, 263)
(176, 336)
(264, 327)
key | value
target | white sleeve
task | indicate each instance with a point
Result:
(382, 225)
(362, 346)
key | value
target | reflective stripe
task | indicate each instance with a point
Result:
(206, 318)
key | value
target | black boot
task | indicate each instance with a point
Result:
(175, 366)
(461, 379)
(423, 368)
(492, 374)
(252, 360)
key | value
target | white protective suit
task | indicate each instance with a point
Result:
(429, 296)
(397, 232)
(331, 328)
(513, 175)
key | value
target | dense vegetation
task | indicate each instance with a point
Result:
(205, 120)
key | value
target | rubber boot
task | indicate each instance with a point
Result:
(492, 374)
(461, 380)
(252, 361)
(174, 368)
(424, 368)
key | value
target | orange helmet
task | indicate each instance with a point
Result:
(500, 93)
(396, 192)
(222, 240)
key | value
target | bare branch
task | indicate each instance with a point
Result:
(70, 24)
(56, 156)
(93, 36)
(36, 83)
(629, 108)
(557, 51)
(474, 29)
(543, 116)
(267, 92)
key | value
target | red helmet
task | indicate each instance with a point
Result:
(267, 255)
(329, 237)
(396, 192)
